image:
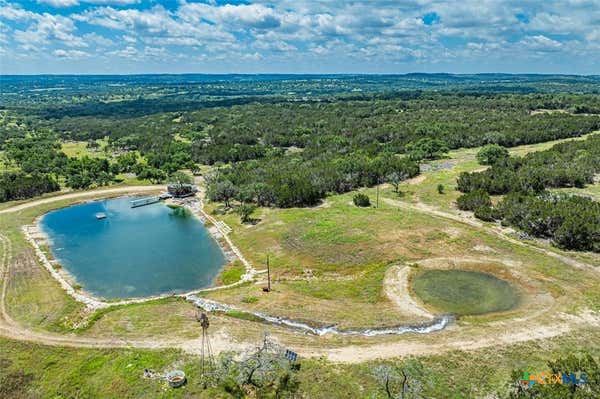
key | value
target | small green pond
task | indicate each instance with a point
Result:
(464, 292)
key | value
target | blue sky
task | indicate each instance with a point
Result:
(299, 36)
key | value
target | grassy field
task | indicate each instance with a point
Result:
(328, 264)
(464, 292)
(445, 172)
(348, 249)
(38, 371)
(79, 149)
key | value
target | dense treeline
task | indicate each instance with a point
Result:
(40, 162)
(252, 131)
(297, 181)
(20, 185)
(308, 143)
(569, 164)
(571, 222)
(458, 120)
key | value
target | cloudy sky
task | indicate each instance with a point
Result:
(299, 36)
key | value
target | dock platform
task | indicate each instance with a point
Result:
(144, 201)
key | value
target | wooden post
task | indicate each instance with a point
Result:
(268, 275)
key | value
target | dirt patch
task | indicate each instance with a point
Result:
(395, 286)
(416, 180)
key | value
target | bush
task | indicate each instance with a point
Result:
(440, 189)
(486, 213)
(361, 199)
(474, 200)
(491, 153)
(245, 210)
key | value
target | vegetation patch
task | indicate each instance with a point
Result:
(240, 314)
(465, 292)
(233, 273)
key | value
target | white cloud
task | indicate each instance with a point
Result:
(541, 43)
(155, 24)
(13, 12)
(244, 15)
(127, 52)
(59, 3)
(70, 54)
(97, 39)
(71, 3)
(129, 39)
(379, 31)
(47, 28)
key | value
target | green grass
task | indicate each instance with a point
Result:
(79, 149)
(348, 249)
(465, 292)
(50, 372)
(46, 372)
(239, 314)
(232, 273)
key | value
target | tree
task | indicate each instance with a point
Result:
(245, 210)
(402, 381)
(264, 372)
(180, 178)
(491, 153)
(427, 148)
(222, 191)
(395, 178)
(126, 162)
(154, 175)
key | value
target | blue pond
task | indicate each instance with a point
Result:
(134, 252)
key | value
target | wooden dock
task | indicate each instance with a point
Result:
(144, 201)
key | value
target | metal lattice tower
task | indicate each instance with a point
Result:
(207, 361)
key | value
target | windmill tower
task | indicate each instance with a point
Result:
(207, 361)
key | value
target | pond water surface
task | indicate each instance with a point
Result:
(134, 252)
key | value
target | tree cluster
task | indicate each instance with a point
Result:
(571, 222)
(297, 181)
(21, 185)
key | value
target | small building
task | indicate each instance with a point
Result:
(182, 190)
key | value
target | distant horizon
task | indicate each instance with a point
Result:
(303, 74)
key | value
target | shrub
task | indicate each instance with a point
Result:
(473, 200)
(440, 189)
(486, 213)
(491, 153)
(361, 199)
(245, 210)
